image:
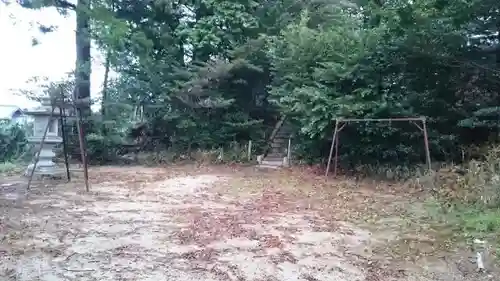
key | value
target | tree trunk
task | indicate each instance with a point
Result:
(497, 54)
(105, 85)
(83, 59)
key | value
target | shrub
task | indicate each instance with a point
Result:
(235, 153)
(13, 142)
(470, 197)
(103, 149)
(9, 167)
(475, 183)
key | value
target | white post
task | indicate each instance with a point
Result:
(259, 159)
(289, 151)
(480, 246)
(249, 150)
(221, 154)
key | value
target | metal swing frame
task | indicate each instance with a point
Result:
(340, 123)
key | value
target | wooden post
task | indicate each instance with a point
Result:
(81, 140)
(221, 154)
(426, 143)
(331, 148)
(249, 152)
(62, 120)
(83, 151)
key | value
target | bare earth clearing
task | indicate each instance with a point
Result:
(188, 223)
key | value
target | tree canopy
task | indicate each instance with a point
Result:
(209, 72)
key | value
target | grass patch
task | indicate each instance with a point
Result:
(9, 168)
(481, 224)
(460, 225)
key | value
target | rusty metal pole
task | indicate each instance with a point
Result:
(81, 138)
(62, 121)
(332, 147)
(83, 151)
(426, 142)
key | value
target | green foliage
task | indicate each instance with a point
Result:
(488, 117)
(479, 223)
(236, 153)
(13, 142)
(103, 149)
(314, 70)
(394, 59)
(208, 73)
(212, 74)
(8, 168)
(469, 197)
(470, 223)
(475, 183)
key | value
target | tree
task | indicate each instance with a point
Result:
(211, 72)
(83, 40)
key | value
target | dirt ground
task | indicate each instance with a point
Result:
(219, 223)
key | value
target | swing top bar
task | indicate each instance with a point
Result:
(380, 120)
(336, 131)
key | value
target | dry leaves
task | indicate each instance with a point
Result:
(250, 199)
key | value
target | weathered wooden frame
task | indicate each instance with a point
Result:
(63, 105)
(345, 121)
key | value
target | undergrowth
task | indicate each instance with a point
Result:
(469, 198)
(236, 153)
(9, 168)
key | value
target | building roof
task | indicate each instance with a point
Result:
(8, 111)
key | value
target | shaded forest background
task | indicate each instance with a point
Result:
(212, 73)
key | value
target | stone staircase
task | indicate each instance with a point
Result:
(277, 155)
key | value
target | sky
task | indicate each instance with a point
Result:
(53, 57)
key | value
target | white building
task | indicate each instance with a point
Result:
(12, 113)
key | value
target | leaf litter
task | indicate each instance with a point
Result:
(217, 223)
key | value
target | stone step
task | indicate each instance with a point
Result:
(286, 128)
(280, 140)
(277, 153)
(278, 145)
(274, 158)
(276, 163)
(284, 135)
(265, 166)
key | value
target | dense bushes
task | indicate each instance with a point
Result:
(313, 62)
(355, 70)
(164, 143)
(13, 142)
(103, 149)
(468, 197)
(475, 183)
